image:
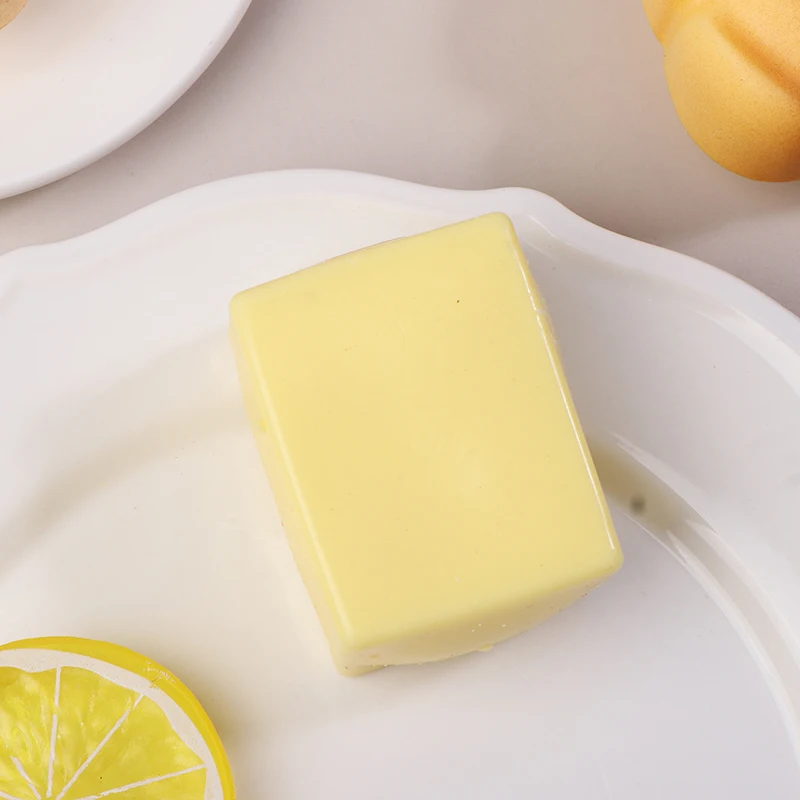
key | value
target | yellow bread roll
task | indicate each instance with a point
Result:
(9, 9)
(733, 70)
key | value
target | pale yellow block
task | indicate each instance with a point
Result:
(419, 437)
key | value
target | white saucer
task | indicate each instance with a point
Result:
(78, 78)
(133, 508)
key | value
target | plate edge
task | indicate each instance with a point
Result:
(568, 227)
(19, 186)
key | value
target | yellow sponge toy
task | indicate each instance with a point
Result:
(733, 70)
(9, 9)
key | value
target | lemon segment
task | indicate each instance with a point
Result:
(26, 712)
(128, 756)
(187, 785)
(88, 708)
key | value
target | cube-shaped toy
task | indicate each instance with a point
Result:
(417, 430)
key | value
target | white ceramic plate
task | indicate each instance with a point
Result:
(133, 508)
(78, 78)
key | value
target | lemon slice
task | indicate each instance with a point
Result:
(83, 720)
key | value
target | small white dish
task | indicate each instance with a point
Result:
(78, 78)
(133, 508)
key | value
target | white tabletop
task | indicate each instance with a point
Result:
(567, 97)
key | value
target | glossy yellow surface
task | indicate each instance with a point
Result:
(733, 69)
(69, 733)
(417, 430)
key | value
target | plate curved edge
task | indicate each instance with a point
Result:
(171, 94)
(678, 269)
